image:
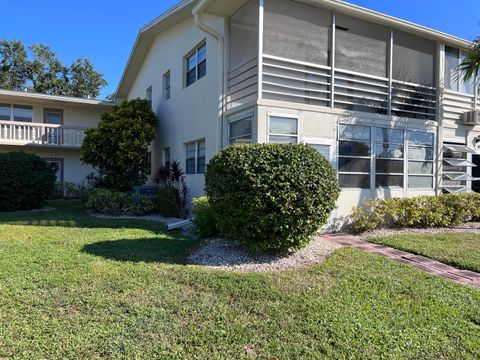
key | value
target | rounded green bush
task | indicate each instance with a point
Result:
(271, 197)
(26, 183)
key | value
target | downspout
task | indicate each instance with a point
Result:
(197, 16)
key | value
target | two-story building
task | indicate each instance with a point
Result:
(377, 96)
(51, 127)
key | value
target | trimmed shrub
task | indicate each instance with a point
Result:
(26, 183)
(421, 212)
(204, 217)
(116, 203)
(271, 197)
(169, 202)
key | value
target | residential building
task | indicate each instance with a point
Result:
(377, 96)
(52, 127)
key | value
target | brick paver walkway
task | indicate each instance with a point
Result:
(430, 266)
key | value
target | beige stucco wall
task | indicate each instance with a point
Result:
(74, 171)
(192, 113)
(74, 115)
(319, 125)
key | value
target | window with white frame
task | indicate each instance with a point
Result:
(149, 95)
(196, 64)
(195, 157)
(390, 154)
(19, 113)
(453, 58)
(354, 160)
(282, 130)
(166, 86)
(322, 149)
(240, 130)
(421, 154)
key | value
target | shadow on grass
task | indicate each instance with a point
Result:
(70, 213)
(167, 250)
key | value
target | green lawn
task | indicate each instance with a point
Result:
(73, 287)
(461, 250)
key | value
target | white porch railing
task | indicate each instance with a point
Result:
(21, 133)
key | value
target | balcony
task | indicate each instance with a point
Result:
(40, 134)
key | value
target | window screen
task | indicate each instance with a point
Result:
(361, 46)
(413, 59)
(244, 34)
(296, 31)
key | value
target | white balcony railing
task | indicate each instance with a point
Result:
(21, 133)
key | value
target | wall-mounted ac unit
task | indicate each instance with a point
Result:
(471, 118)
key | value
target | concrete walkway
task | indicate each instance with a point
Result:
(430, 266)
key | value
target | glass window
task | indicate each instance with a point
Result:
(240, 131)
(453, 58)
(361, 181)
(420, 138)
(201, 157)
(389, 136)
(196, 65)
(283, 130)
(389, 166)
(191, 154)
(5, 112)
(195, 162)
(389, 181)
(57, 166)
(166, 86)
(324, 150)
(389, 151)
(420, 182)
(420, 168)
(354, 161)
(354, 165)
(354, 132)
(22, 113)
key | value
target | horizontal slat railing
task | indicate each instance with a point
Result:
(414, 100)
(242, 84)
(295, 81)
(21, 133)
(361, 92)
(455, 104)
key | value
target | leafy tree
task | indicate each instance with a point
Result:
(118, 147)
(45, 73)
(14, 66)
(470, 66)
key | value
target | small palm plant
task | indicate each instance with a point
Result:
(470, 66)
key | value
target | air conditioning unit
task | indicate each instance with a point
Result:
(471, 118)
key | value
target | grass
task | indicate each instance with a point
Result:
(74, 287)
(461, 250)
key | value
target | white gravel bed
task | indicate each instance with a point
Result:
(472, 227)
(223, 254)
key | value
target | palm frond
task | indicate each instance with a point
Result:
(470, 66)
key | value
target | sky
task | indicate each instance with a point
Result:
(105, 30)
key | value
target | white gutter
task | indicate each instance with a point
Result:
(197, 15)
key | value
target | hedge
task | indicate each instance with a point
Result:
(271, 197)
(26, 181)
(116, 203)
(421, 212)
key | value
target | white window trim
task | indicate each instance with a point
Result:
(166, 75)
(243, 116)
(12, 116)
(299, 119)
(322, 141)
(475, 81)
(185, 62)
(373, 157)
(196, 143)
